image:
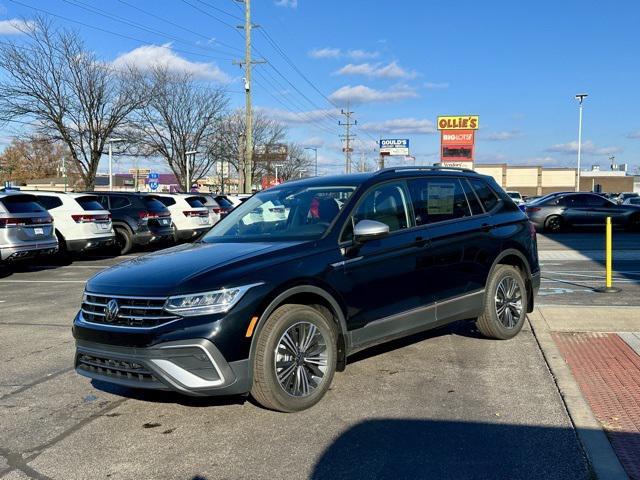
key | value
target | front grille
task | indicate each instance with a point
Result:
(131, 311)
(121, 369)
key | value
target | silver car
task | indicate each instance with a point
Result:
(26, 228)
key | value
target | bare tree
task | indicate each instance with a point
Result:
(229, 143)
(182, 115)
(66, 92)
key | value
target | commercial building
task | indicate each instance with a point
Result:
(539, 180)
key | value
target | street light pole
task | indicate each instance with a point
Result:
(111, 141)
(187, 182)
(315, 149)
(276, 165)
(580, 97)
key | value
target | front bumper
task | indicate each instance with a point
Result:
(18, 252)
(193, 367)
(90, 243)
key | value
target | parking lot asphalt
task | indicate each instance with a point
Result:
(444, 404)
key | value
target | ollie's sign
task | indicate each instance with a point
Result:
(458, 122)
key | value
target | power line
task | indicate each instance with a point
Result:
(128, 37)
(348, 137)
(221, 10)
(233, 27)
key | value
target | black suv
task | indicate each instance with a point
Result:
(138, 219)
(278, 294)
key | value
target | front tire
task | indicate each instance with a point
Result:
(505, 304)
(295, 359)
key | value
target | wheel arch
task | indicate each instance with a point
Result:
(516, 258)
(316, 297)
(121, 223)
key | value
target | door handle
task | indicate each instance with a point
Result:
(486, 227)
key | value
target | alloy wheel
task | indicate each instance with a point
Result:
(301, 359)
(509, 302)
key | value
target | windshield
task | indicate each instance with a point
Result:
(282, 214)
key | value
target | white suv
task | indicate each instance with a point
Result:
(190, 216)
(81, 222)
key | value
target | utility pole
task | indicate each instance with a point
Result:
(247, 63)
(347, 137)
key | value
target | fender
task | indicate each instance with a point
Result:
(281, 298)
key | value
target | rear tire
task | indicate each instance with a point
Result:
(124, 243)
(505, 304)
(553, 224)
(63, 252)
(290, 379)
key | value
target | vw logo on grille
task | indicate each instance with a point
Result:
(111, 311)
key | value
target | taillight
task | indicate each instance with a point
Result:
(532, 209)
(21, 222)
(194, 213)
(216, 209)
(532, 230)
(147, 215)
(84, 218)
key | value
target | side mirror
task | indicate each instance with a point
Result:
(366, 230)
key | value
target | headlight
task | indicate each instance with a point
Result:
(218, 301)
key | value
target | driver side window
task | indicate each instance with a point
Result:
(386, 203)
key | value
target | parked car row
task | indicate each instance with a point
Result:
(43, 222)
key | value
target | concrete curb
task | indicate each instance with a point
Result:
(595, 443)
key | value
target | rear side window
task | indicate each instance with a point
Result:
(167, 201)
(487, 196)
(119, 202)
(472, 200)
(196, 202)
(154, 205)
(22, 204)
(89, 203)
(438, 200)
(49, 202)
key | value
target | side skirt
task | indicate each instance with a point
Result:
(416, 320)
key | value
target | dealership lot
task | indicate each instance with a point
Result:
(444, 402)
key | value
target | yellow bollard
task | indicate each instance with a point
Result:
(608, 287)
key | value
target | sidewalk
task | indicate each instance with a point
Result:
(594, 355)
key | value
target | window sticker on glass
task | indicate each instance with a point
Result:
(440, 198)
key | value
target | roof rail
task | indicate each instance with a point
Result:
(423, 167)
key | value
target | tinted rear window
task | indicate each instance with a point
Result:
(223, 202)
(119, 202)
(153, 205)
(22, 204)
(195, 202)
(89, 203)
(167, 201)
(49, 202)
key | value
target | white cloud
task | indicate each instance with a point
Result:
(286, 116)
(634, 135)
(545, 161)
(358, 54)
(588, 148)
(363, 94)
(149, 56)
(326, 52)
(501, 136)
(489, 157)
(14, 26)
(401, 126)
(391, 70)
(287, 3)
(436, 85)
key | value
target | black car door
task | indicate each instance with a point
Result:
(376, 278)
(601, 208)
(576, 209)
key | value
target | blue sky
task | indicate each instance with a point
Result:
(401, 64)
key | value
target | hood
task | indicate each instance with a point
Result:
(162, 273)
